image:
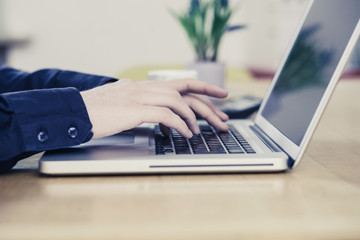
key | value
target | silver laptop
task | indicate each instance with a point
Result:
(274, 141)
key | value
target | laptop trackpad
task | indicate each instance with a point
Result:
(134, 142)
(127, 137)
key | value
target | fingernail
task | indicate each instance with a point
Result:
(224, 115)
(197, 131)
(190, 134)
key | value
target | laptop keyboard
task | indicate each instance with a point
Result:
(209, 141)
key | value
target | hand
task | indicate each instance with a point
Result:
(125, 104)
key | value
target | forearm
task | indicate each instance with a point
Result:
(39, 120)
(15, 80)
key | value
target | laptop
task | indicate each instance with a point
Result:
(273, 142)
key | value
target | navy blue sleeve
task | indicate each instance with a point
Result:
(16, 80)
(41, 111)
(38, 120)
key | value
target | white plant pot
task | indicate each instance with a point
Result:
(210, 72)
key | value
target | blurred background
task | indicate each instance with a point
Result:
(115, 37)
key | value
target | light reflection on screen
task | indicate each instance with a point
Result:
(310, 66)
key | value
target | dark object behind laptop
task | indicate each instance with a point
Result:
(239, 107)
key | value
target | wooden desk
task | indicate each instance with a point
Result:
(318, 200)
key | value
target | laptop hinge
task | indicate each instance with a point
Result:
(269, 143)
(265, 139)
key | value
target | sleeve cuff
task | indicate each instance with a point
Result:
(51, 118)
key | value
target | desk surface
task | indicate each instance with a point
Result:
(320, 199)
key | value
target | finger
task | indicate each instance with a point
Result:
(154, 114)
(199, 87)
(212, 106)
(173, 100)
(205, 112)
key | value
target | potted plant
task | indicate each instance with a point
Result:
(205, 24)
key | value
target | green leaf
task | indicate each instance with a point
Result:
(205, 24)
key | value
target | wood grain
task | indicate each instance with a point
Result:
(320, 199)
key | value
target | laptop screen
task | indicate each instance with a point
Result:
(310, 66)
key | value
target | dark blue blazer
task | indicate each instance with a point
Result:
(42, 111)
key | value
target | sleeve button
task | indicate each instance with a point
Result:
(42, 136)
(72, 132)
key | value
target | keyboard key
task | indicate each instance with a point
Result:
(183, 151)
(208, 142)
(236, 151)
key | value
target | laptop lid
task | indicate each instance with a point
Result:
(308, 74)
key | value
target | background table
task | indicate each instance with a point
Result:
(320, 199)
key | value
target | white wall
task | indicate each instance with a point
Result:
(109, 36)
